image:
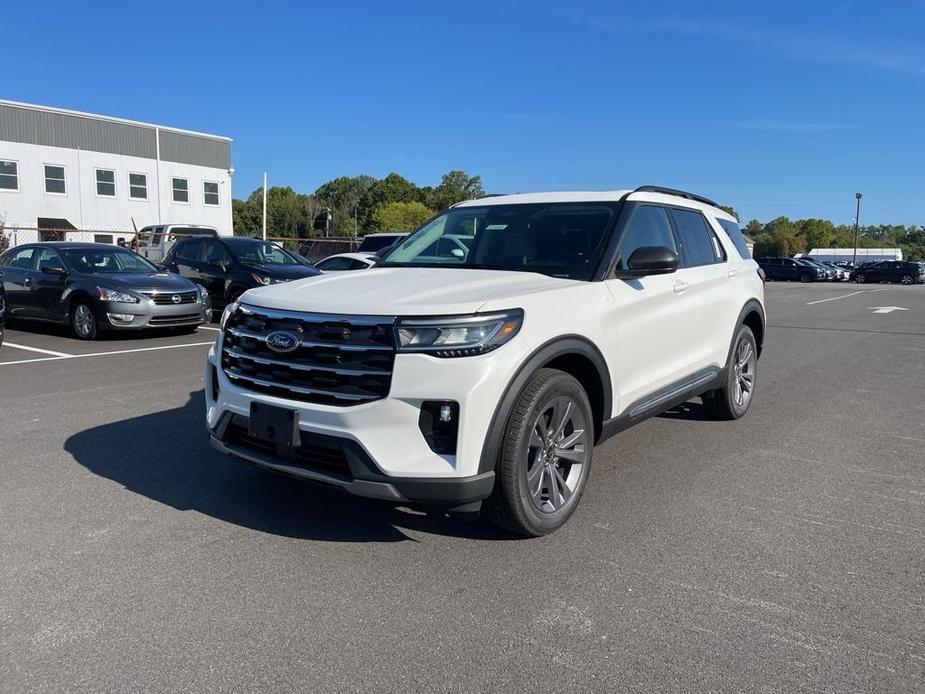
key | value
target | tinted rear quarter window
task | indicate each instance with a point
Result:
(188, 250)
(698, 243)
(735, 235)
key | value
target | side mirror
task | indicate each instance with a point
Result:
(51, 270)
(651, 260)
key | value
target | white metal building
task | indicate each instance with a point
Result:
(63, 169)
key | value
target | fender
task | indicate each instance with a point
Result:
(752, 305)
(557, 347)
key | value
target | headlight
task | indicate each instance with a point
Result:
(227, 313)
(115, 295)
(458, 336)
(260, 279)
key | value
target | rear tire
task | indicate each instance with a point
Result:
(545, 456)
(734, 398)
(860, 279)
(83, 321)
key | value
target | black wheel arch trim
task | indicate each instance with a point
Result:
(542, 355)
(752, 305)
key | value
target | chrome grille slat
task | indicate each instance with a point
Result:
(339, 360)
(166, 298)
(305, 367)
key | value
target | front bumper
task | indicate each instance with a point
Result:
(357, 474)
(147, 314)
(381, 441)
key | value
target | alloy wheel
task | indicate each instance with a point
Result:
(746, 364)
(83, 320)
(557, 452)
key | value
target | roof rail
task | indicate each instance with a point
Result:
(673, 191)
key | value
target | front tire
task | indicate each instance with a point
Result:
(860, 279)
(734, 398)
(805, 277)
(83, 321)
(906, 279)
(545, 456)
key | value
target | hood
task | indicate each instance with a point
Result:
(282, 272)
(404, 291)
(161, 281)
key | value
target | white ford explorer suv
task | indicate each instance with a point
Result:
(481, 379)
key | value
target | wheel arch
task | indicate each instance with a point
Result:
(573, 354)
(752, 315)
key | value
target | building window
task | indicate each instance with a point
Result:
(180, 190)
(54, 179)
(210, 193)
(9, 175)
(138, 186)
(106, 183)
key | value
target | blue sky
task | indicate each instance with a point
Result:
(783, 108)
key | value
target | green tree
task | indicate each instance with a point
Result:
(392, 188)
(345, 197)
(730, 209)
(401, 216)
(455, 186)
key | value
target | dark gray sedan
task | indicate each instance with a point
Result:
(96, 286)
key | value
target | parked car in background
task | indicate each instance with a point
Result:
(841, 274)
(899, 271)
(373, 243)
(790, 269)
(828, 273)
(95, 287)
(154, 242)
(227, 266)
(343, 262)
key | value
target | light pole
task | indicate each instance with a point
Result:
(857, 223)
(356, 219)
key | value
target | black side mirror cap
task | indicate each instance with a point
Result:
(650, 260)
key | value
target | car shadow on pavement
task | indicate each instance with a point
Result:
(166, 457)
(691, 410)
(66, 332)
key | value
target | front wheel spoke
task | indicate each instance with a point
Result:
(564, 491)
(536, 439)
(574, 455)
(552, 486)
(534, 472)
(537, 491)
(745, 354)
(560, 428)
(572, 438)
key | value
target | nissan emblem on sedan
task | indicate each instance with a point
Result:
(282, 341)
(176, 299)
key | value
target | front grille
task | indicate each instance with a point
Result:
(166, 298)
(316, 452)
(185, 319)
(339, 360)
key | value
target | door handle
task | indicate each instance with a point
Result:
(732, 273)
(680, 287)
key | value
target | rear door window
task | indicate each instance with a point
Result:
(699, 245)
(188, 251)
(21, 258)
(735, 235)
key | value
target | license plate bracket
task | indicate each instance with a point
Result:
(276, 425)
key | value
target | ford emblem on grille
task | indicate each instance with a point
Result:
(176, 298)
(282, 341)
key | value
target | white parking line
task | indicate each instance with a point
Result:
(835, 298)
(36, 349)
(64, 357)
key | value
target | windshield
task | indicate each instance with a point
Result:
(107, 262)
(261, 253)
(557, 239)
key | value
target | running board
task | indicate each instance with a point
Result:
(663, 399)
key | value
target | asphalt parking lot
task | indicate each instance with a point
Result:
(783, 552)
